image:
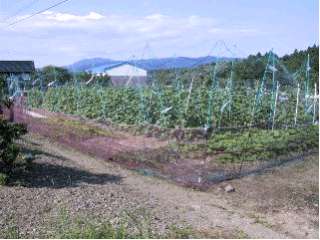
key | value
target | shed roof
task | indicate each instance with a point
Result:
(118, 65)
(106, 67)
(17, 66)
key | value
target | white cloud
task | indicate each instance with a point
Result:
(65, 17)
(96, 20)
(157, 17)
(234, 30)
(73, 36)
(151, 25)
(47, 13)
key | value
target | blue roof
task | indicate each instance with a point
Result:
(105, 67)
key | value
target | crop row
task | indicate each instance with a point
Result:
(260, 144)
(169, 107)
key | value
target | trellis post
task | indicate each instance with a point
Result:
(297, 104)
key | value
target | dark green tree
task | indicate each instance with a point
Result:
(53, 74)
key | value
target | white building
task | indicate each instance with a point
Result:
(123, 74)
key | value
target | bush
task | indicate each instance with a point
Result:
(9, 132)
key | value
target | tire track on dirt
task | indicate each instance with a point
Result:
(202, 210)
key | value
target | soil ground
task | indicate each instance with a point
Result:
(282, 203)
(146, 154)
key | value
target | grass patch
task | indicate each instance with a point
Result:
(3, 179)
(260, 220)
(10, 231)
(256, 144)
(136, 224)
(240, 234)
(132, 225)
(79, 127)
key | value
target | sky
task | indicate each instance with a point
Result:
(134, 29)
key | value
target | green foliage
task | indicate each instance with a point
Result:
(257, 144)
(297, 60)
(89, 230)
(103, 81)
(181, 233)
(58, 76)
(3, 179)
(85, 77)
(135, 224)
(12, 232)
(50, 74)
(9, 151)
(3, 87)
(247, 71)
(167, 106)
(212, 98)
(250, 69)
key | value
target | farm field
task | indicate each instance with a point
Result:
(159, 185)
(195, 163)
(161, 162)
(159, 119)
(223, 149)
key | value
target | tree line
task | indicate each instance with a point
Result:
(246, 71)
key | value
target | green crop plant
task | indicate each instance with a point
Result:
(259, 144)
(165, 106)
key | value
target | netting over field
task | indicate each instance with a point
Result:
(189, 101)
(200, 125)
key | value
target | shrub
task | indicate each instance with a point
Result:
(9, 151)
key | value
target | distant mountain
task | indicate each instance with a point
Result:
(87, 64)
(98, 64)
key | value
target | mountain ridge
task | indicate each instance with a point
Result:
(148, 64)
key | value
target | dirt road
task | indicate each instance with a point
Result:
(64, 178)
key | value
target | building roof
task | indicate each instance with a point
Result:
(17, 67)
(118, 65)
(106, 67)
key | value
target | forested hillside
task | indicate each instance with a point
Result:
(246, 71)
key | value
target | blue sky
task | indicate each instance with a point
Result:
(127, 29)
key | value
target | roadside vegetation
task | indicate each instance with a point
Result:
(10, 157)
(133, 225)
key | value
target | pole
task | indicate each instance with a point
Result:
(275, 105)
(210, 101)
(273, 91)
(230, 87)
(306, 94)
(314, 103)
(260, 89)
(189, 94)
(297, 104)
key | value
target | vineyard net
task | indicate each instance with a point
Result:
(233, 128)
